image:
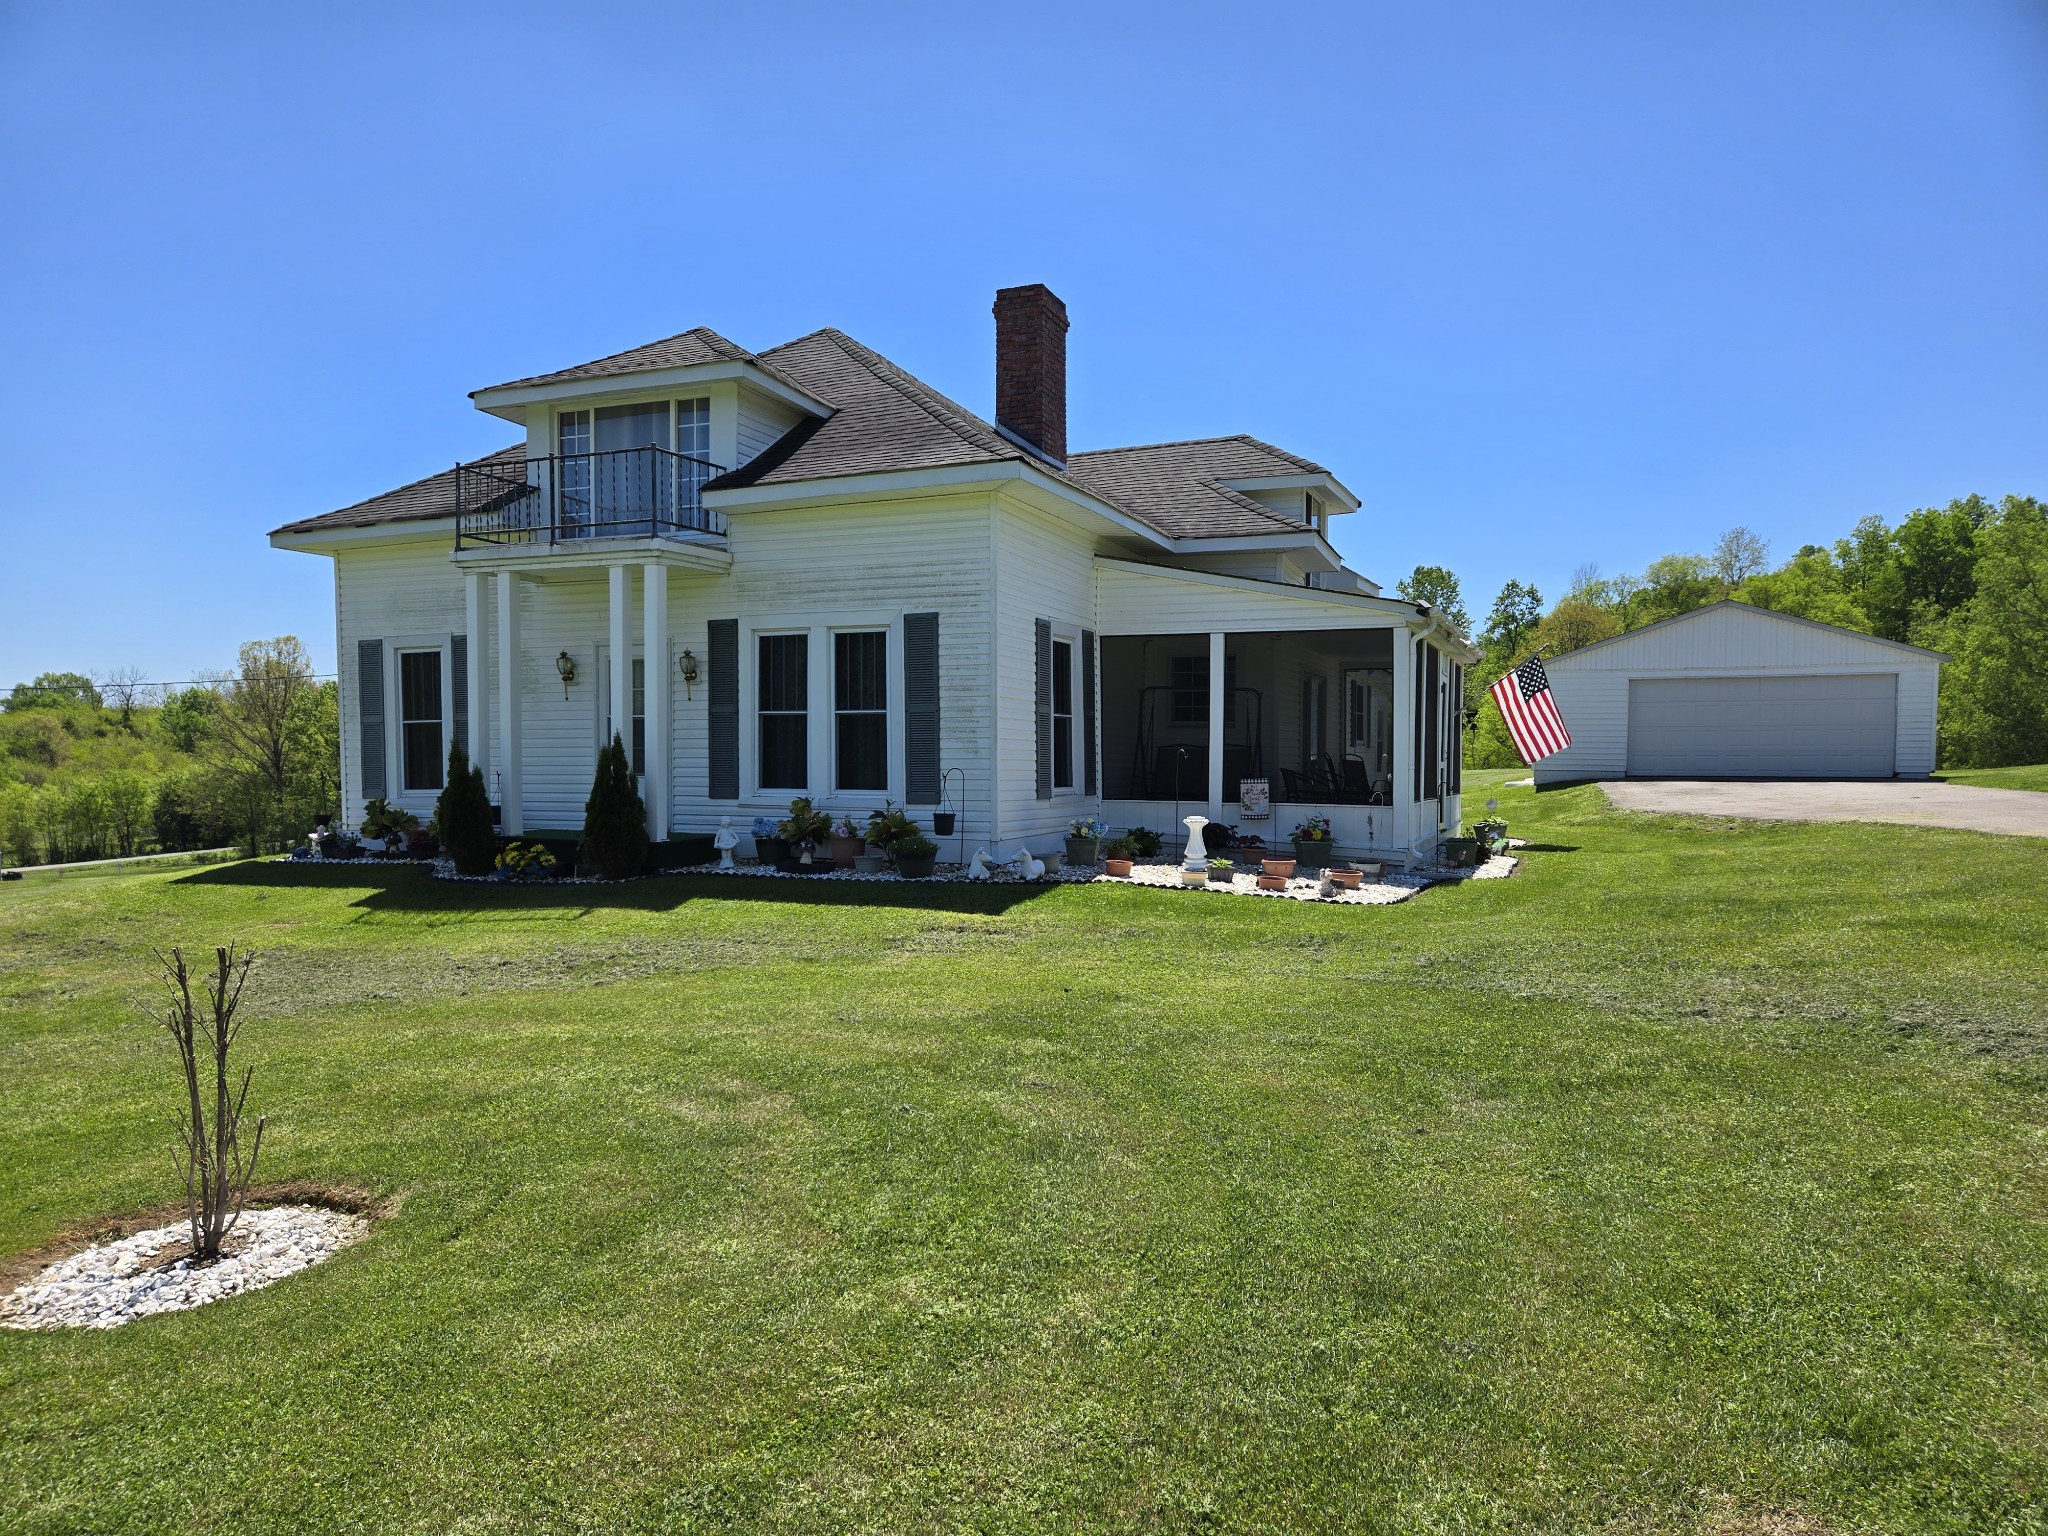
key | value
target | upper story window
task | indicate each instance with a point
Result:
(693, 428)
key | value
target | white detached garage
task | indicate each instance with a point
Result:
(1735, 692)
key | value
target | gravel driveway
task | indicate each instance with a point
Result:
(2019, 812)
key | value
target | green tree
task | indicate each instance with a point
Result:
(462, 816)
(1994, 700)
(1741, 554)
(53, 690)
(1810, 585)
(186, 720)
(128, 800)
(272, 752)
(1438, 587)
(1516, 612)
(614, 819)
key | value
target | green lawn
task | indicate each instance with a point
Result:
(1693, 1174)
(2033, 776)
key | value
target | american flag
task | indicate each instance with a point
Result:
(1526, 704)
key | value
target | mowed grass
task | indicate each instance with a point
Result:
(1693, 1176)
(2031, 776)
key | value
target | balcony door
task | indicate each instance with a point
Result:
(617, 473)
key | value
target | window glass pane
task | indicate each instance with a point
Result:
(785, 659)
(1062, 678)
(783, 752)
(860, 670)
(864, 751)
(1062, 751)
(575, 431)
(632, 426)
(1190, 690)
(693, 428)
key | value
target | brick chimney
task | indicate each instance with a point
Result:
(1031, 367)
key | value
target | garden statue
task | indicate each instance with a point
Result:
(1030, 865)
(1198, 851)
(979, 868)
(725, 840)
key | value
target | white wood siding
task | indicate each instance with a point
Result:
(1591, 686)
(1141, 602)
(762, 420)
(403, 593)
(1045, 569)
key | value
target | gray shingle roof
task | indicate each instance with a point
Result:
(1173, 486)
(884, 419)
(692, 347)
(423, 499)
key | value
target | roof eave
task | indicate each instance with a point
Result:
(511, 400)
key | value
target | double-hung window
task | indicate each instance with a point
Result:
(782, 689)
(860, 708)
(419, 705)
(1063, 714)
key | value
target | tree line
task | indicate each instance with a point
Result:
(1969, 579)
(109, 766)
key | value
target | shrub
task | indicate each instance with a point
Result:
(805, 823)
(614, 819)
(1144, 842)
(462, 816)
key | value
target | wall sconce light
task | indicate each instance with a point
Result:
(565, 664)
(688, 662)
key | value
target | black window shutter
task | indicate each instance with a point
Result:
(1088, 711)
(722, 640)
(1043, 636)
(921, 708)
(370, 715)
(458, 662)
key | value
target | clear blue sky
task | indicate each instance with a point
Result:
(1544, 284)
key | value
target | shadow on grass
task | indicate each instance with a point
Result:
(407, 888)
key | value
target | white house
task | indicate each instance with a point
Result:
(1734, 692)
(809, 573)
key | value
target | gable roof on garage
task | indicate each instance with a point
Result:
(1719, 615)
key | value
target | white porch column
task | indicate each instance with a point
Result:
(660, 745)
(478, 679)
(512, 741)
(1402, 812)
(1218, 699)
(622, 653)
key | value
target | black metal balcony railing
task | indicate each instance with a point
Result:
(622, 493)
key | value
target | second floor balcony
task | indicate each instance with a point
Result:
(621, 493)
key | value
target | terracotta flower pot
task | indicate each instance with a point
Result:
(1118, 867)
(1274, 882)
(1346, 878)
(845, 850)
(1282, 868)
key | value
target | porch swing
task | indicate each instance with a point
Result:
(1176, 771)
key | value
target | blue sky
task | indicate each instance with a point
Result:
(1544, 284)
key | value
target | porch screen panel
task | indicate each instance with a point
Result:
(1432, 746)
(782, 706)
(722, 645)
(370, 716)
(458, 652)
(921, 708)
(1457, 729)
(1087, 711)
(1415, 778)
(1042, 647)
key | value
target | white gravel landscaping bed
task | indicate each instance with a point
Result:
(115, 1283)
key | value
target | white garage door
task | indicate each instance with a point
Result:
(1763, 727)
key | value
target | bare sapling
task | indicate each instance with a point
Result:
(209, 1153)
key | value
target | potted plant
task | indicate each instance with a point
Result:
(1345, 879)
(916, 855)
(888, 827)
(1460, 852)
(770, 846)
(1312, 842)
(1491, 835)
(1276, 869)
(1144, 842)
(804, 824)
(1116, 858)
(847, 842)
(1221, 871)
(1084, 840)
